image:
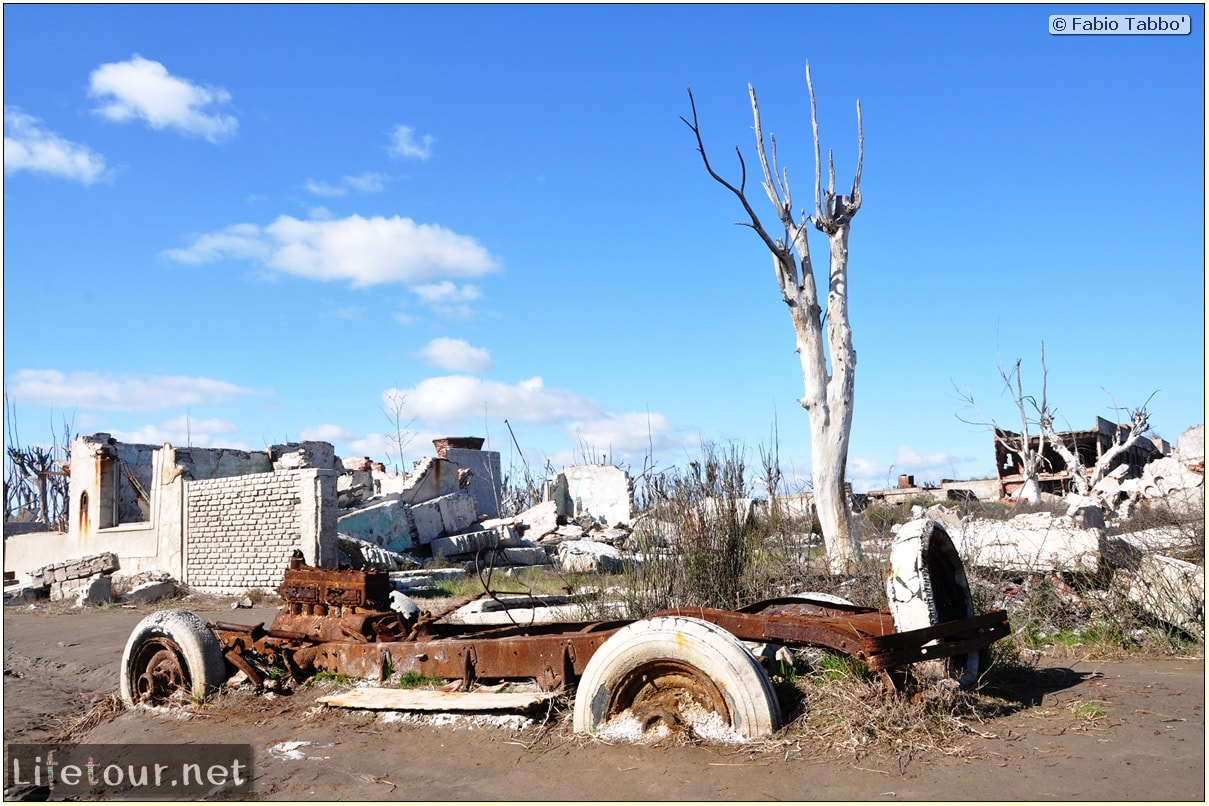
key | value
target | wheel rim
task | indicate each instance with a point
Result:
(157, 671)
(667, 692)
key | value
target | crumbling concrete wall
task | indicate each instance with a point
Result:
(242, 530)
(480, 477)
(603, 492)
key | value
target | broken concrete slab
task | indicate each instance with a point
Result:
(383, 522)
(297, 455)
(458, 511)
(604, 492)
(539, 520)
(363, 554)
(151, 591)
(466, 543)
(1168, 480)
(443, 515)
(399, 699)
(588, 556)
(104, 563)
(525, 555)
(1190, 448)
(97, 590)
(431, 477)
(483, 479)
(436, 574)
(1032, 543)
(503, 602)
(1170, 590)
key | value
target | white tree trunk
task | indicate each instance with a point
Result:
(828, 360)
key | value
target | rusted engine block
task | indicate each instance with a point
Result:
(326, 605)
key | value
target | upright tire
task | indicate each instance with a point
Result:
(677, 672)
(171, 651)
(927, 585)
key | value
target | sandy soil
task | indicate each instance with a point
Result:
(1149, 744)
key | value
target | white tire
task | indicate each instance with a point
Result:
(679, 672)
(171, 651)
(927, 585)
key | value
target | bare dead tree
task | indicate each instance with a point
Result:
(823, 335)
(394, 406)
(36, 478)
(1031, 458)
(1129, 431)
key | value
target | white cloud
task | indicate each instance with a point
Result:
(182, 431)
(446, 292)
(364, 183)
(867, 474)
(456, 355)
(403, 143)
(454, 400)
(243, 241)
(362, 251)
(367, 182)
(633, 433)
(29, 147)
(324, 189)
(326, 433)
(117, 392)
(143, 89)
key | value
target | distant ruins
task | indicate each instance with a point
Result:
(227, 521)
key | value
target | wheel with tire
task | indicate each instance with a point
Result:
(680, 673)
(927, 585)
(171, 651)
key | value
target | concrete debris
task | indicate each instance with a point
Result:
(383, 522)
(297, 455)
(105, 563)
(1181, 488)
(572, 531)
(1170, 590)
(1190, 448)
(242, 604)
(87, 580)
(604, 492)
(97, 590)
(403, 604)
(540, 520)
(397, 699)
(588, 556)
(362, 554)
(150, 591)
(472, 542)
(1032, 543)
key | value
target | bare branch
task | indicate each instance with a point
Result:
(737, 191)
(818, 157)
(860, 160)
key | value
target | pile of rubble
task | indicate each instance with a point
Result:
(447, 510)
(90, 581)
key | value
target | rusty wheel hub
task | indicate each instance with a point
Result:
(158, 672)
(669, 693)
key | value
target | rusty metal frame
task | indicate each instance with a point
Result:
(338, 621)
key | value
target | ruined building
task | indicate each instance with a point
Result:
(1089, 446)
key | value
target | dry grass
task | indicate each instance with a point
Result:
(103, 711)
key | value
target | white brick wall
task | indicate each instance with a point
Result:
(242, 530)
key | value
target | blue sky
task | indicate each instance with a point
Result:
(235, 226)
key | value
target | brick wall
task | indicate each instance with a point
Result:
(241, 531)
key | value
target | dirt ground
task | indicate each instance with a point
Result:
(1147, 744)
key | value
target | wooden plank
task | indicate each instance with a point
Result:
(401, 699)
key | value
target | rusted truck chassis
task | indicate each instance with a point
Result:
(341, 621)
